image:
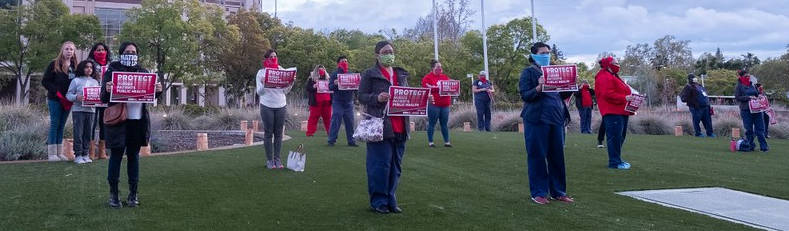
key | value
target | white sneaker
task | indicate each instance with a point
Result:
(600, 146)
(87, 159)
(79, 160)
(53, 158)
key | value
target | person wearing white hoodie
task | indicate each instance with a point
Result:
(273, 111)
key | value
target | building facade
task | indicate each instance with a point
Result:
(112, 16)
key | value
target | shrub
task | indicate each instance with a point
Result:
(226, 120)
(175, 120)
(724, 125)
(461, 114)
(203, 122)
(649, 124)
(420, 123)
(506, 121)
(197, 110)
(26, 143)
(779, 131)
(13, 117)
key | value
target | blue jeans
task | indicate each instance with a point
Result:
(341, 112)
(384, 161)
(483, 114)
(57, 122)
(586, 119)
(440, 114)
(702, 114)
(754, 123)
(545, 158)
(615, 128)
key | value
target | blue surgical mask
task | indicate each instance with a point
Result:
(542, 59)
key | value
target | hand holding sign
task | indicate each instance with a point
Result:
(133, 87)
(91, 97)
(560, 78)
(348, 81)
(279, 78)
(449, 88)
(634, 102)
(408, 101)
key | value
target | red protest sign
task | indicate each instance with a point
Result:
(407, 101)
(633, 105)
(771, 113)
(349, 81)
(133, 87)
(91, 97)
(279, 78)
(449, 87)
(760, 104)
(323, 86)
(559, 78)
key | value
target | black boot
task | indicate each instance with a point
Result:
(114, 202)
(132, 200)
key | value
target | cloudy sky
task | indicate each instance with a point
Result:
(581, 28)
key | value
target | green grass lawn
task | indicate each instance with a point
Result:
(481, 184)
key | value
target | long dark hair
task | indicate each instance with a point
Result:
(126, 44)
(81, 69)
(106, 48)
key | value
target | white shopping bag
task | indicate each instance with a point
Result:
(297, 159)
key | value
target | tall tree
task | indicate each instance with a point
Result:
(166, 38)
(242, 58)
(31, 36)
(454, 19)
(667, 52)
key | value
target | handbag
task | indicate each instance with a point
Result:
(297, 159)
(115, 114)
(370, 129)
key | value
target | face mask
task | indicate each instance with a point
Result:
(387, 60)
(129, 60)
(343, 66)
(322, 72)
(100, 57)
(753, 79)
(542, 59)
(695, 80)
(483, 78)
(271, 63)
(615, 69)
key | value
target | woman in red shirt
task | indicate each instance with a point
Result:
(612, 97)
(438, 109)
(320, 99)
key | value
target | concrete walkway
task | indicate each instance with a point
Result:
(745, 208)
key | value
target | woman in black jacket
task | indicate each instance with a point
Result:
(57, 78)
(385, 157)
(753, 122)
(129, 135)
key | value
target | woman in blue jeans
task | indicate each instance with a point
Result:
(753, 122)
(438, 109)
(57, 78)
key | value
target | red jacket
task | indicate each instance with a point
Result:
(432, 79)
(611, 93)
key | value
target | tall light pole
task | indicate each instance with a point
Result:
(484, 37)
(533, 23)
(275, 8)
(435, 30)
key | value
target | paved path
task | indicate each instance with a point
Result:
(745, 208)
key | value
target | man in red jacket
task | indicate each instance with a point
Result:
(438, 109)
(612, 97)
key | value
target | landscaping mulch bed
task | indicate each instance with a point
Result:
(171, 141)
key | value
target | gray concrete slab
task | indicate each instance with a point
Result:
(745, 208)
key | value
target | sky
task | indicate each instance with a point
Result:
(582, 29)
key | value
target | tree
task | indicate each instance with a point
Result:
(454, 18)
(242, 59)
(31, 36)
(667, 52)
(166, 38)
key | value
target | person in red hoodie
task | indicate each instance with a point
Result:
(612, 96)
(320, 102)
(438, 109)
(584, 103)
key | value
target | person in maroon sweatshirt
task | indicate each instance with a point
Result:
(612, 97)
(438, 109)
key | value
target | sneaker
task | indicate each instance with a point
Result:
(565, 199)
(600, 146)
(62, 157)
(540, 200)
(623, 166)
(711, 136)
(53, 158)
(448, 145)
(431, 145)
(331, 144)
(278, 163)
(270, 164)
(79, 160)
(87, 159)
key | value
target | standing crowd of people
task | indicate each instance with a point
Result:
(545, 115)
